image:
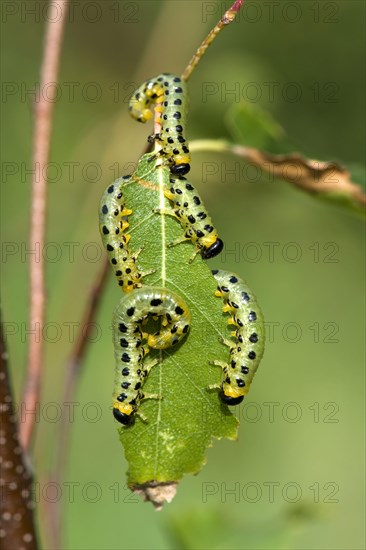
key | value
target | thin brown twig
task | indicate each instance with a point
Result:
(78, 352)
(16, 506)
(225, 20)
(327, 180)
(43, 110)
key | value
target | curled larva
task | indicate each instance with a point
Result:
(167, 93)
(247, 347)
(190, 211)
(129, 348)
(113, 223)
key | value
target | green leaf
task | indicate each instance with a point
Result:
(181, 425)
(255, 127)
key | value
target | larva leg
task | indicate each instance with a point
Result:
(147, 396)
(136, 255)
(221, 364)
(214, 387)
(141, 416)
(151, 396)
(224, 367)
(247, 347)
(180, 240)
(148, 365)
(129, 348)
(228, 343)
(153, 137)
(165, 212)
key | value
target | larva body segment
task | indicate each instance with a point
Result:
(129, 348)
(246, 350)
(167, 93)
(190, 211)
(113, 225)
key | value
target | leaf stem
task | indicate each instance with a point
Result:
(225, 20)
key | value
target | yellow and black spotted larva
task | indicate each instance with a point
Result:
(246, 350)
(113, 223)
(167, 93)
(129, 347)
(190, 211)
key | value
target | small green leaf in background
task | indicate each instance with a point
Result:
(181, 425)
(253, 126)
(358, 173)
(255, 129)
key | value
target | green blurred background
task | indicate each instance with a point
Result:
(295, 478)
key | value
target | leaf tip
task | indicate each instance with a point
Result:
(158, 493)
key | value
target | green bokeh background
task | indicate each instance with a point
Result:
(302, 427)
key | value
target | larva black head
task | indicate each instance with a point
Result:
(125, 419)
(230, 400)
(212, 250)
(180, 169)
